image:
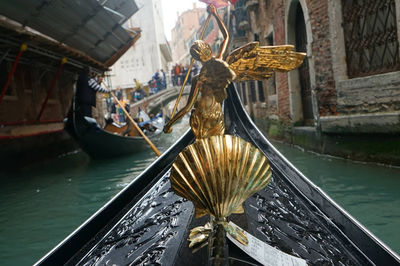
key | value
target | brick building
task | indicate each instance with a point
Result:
(345, 98)
(185, 28)
(188, 29)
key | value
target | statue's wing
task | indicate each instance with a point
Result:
(254, 62)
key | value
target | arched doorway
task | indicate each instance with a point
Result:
(299, 80)
(304, 70)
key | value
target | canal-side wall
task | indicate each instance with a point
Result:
(345, 98)
(378, 148)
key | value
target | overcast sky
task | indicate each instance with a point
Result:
(171, 7)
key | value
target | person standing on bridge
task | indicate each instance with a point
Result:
(137, 84)
(164, 79)
(177, 74)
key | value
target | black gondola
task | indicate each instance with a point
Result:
(147, 224)
(99, 143)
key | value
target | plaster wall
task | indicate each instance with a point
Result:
(143, 59)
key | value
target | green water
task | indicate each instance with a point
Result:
(40, 205)
(369, 192)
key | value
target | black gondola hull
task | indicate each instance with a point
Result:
(99, 143)
(148, 224)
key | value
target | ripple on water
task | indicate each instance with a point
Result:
(41, 204)
(369, 192)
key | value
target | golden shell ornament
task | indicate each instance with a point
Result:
(219, 173)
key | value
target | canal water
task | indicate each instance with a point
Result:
(40, 205)
(369, 192)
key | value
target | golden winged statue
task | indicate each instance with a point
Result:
(219, 172)
(208, 90)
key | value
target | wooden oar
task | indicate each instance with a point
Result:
(156, 151)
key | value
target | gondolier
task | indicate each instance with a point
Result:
(86, 88)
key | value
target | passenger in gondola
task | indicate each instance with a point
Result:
(121, 114)
(86, 87)
(118, 93)
(113, 112)
(158, 80)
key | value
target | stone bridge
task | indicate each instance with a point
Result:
(154, 103)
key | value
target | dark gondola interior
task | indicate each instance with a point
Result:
(147, 224)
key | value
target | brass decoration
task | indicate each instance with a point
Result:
(249, 62)
(219, 172)
(254, 62)
(199, 235)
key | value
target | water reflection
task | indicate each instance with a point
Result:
(41, 204)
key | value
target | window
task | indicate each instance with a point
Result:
(240, 21)
(371, 39)
(271, 89)
(253, 91)
(256, 37)
(261, 96)
(270, 39)
(243, 85)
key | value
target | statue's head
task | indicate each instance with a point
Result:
(201, 51)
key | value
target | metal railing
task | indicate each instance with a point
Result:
(371, 40)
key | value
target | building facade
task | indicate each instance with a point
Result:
(188, 29)
(345, 98)
(149, 54)
(44, 51)
(184, 33)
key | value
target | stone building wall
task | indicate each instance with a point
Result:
(353, 116)
(188, 23)
(333, 93)
(367, 103)
(322, 55)
(278, 22)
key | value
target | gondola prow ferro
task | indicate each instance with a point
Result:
(218, 172)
